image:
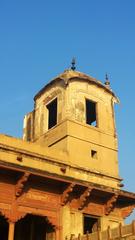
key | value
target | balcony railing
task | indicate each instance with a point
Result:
(120, 232)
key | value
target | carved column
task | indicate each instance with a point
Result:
(57, 233)
(11, 231)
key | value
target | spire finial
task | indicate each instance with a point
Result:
(107, 82)
(73, 67)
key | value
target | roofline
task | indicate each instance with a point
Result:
(87, 78)
(67, 179)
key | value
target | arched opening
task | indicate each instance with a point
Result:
(3, 228)
(34, 227)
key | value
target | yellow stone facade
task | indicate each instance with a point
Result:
(71, 134)
(73, 155)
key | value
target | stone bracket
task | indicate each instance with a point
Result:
(83, 197)
(111, 203)
(66, 194)
(126, 211)
(20, 184)
(12, 215)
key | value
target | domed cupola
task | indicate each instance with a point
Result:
(74, 113)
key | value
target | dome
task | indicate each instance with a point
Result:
(70, 75)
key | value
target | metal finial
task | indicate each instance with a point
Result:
(107, 82)
(73, 67)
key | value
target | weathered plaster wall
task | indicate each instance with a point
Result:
(72, 222)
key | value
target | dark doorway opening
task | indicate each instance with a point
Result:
(34, 228)
(52, 113)
(3, 228)
(91, 113)
(91, 224)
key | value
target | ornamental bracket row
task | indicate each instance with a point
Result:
(84, 198)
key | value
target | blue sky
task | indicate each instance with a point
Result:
(37, 42)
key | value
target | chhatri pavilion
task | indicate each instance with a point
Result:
(63, 178)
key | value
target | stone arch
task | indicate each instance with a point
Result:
(34, 227)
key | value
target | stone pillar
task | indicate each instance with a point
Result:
(31, 230)
(11, 231)
(57, 233)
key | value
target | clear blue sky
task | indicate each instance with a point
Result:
(38, 40)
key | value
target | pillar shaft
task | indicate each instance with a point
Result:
(57, 234)
(11, 231)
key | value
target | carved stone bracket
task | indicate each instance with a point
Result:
(12, 215)
(83, 197)
(20, 184)
(111, 203)
(126, 212)
(66, 193)
(52, 221)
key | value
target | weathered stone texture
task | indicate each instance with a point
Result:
(69, 170)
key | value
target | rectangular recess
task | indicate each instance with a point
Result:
(91, 117)
(52, 113)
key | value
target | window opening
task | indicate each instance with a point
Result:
(94, 154)
(52, 113)
(91, 113)
(91, 224)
